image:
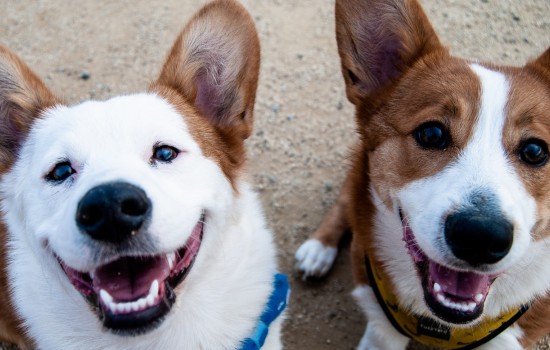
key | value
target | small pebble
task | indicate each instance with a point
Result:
(84, 75)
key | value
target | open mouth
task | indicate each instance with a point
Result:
(452, 295)
(132, 294)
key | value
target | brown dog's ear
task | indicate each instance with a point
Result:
(378, 40)
(23, 96)
(543, 61)
(214, 64)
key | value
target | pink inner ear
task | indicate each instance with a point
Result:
(208, 97)
(382, 58)
(386, 64)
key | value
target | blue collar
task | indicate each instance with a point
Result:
(275, 306)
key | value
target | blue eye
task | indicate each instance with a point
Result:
(60, 172)
(165, 154)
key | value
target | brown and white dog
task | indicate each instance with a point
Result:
(129, 223)
(448, 197)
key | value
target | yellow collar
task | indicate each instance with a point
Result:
(429, 331)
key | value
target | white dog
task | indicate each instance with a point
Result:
(130, 222)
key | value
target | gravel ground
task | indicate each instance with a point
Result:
(304, 124)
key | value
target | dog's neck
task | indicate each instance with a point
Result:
(428, 330)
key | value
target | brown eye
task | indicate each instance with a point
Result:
(534, 152)
(60, 172)
(165, 154)
(432, 135)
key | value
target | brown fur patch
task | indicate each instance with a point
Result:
(534, 323)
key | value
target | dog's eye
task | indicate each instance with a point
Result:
(164, 154)
(432, 135)
(534, 152)
(60, 172)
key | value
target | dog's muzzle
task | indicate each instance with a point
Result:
(478, 238)
(130, 293)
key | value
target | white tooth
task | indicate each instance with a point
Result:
(154, 289)
(150, 300)
(142, 303)
(112, 307)
(479, 297)
(128, 307)
(92, 274)
(105, 297)
(135, 306)
(171, 257)
(441, 298)
(471, 306)
(120, 308)
(437, 287)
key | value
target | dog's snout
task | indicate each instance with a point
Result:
(478, 238)
(113, 212)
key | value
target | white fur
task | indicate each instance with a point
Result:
(314, 259)
(482, 163)
(380, 333)
(507, 340)
(225, 292)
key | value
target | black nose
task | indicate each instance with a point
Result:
(113, 211)
(479, 237)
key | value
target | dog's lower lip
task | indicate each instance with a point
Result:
(452, 295)
(133, 294)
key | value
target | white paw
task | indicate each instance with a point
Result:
(313, 258)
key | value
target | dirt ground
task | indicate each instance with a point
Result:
(304, 124)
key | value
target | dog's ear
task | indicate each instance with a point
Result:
(214, 64)
(23, 96)
(378, 40)
(543, 61)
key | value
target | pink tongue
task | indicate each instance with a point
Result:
(464, 285)
(128, 278)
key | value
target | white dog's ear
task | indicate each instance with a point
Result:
(214, 64)
(23, 96)
(378, 40)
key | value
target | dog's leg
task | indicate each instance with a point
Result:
(379, 334)
(316, 255)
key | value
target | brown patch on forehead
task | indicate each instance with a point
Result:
(528, 117)
(437, 89)
(218, 145)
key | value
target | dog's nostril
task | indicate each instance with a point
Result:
(90, 216)
(133, 207)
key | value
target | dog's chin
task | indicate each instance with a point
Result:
(454, 296)
(132, 294)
